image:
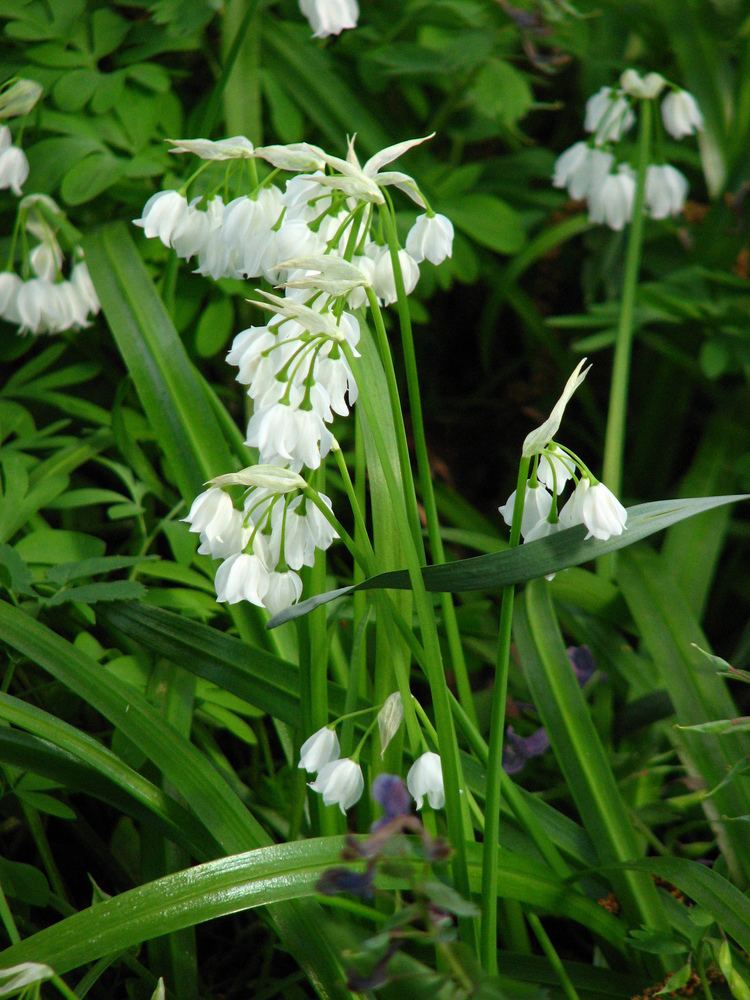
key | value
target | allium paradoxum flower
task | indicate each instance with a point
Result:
(53, 292)
(330, 17)
(278, 529)
(592, 170)
(591, 503)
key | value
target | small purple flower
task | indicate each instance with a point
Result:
(519, 749)
(336, 880)
(390, 791)
(582, 661)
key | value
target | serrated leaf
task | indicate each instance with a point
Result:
(526, 562)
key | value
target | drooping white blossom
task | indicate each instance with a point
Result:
(162, 215)
(602, 513)
(536, 507)
(340, 783)
(582, 169)
(555, 468)
(611, 202)
(430, 238)
(384, 280)
(318, 750)
(608, 115)
(666, 191)
(425, 778)
(211, 514)
(330, 17)
(284, 589)
(242, 577)
(681, 114)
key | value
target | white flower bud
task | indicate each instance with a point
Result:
(681, 114)
(646, 87)
(390, 717)
(602, 513)
(340, 783)
(430, 238)
(318, 750)
(425, 778)
(20, 98)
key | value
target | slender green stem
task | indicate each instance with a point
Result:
(495, 760)
(7, 919)
(459, 829)
(552, 957)
(614, 442)
(63, 989)
(701, 969)
(450, 623)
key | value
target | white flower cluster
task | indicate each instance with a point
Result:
(340, 780)
(591, 502)
(47, 301)
(317, 240)
(589, 169)
(262, 545)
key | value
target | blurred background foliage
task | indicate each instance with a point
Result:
(531, 286)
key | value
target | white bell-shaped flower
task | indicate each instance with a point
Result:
(555, 469)
(340, 783)
(581, 169)
(537, 504)
(430, 238)
(10, 285)
(425, 778)
(191, 232)
(284, 435)
(211, 514)
(666, 191)
(81, 279)
(681, 114)
(284, 590)
(318, 750)
(304, 528)
(384, 281)
(242, 577)
(611, 202)
(571, 513)
(330, 17)
(14, 167)
(233, 539)
(162, 214)
(608, 115)
(304, 198)
(602, 513)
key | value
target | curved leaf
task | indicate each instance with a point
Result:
(526, 562)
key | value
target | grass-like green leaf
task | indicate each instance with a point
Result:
(258, 878)
(527, 562)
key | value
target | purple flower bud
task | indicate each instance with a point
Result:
(519, 749)
(336, 880)
(582, 662)
(390, 791)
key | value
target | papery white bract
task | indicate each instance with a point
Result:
(666, 191)
(430, 238)
(390, 717)
(681, 114)
(340, 783)
(293, 156)
(270, 477)
(236, 147)
(538, 439)
(425, 778)
(330, 17)
(318, 750)
(602, 513)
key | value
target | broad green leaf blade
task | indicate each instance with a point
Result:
(166, 382)
(202, 786)
(526, 562)
(580, 754)
(258, 878)
(671, 635)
